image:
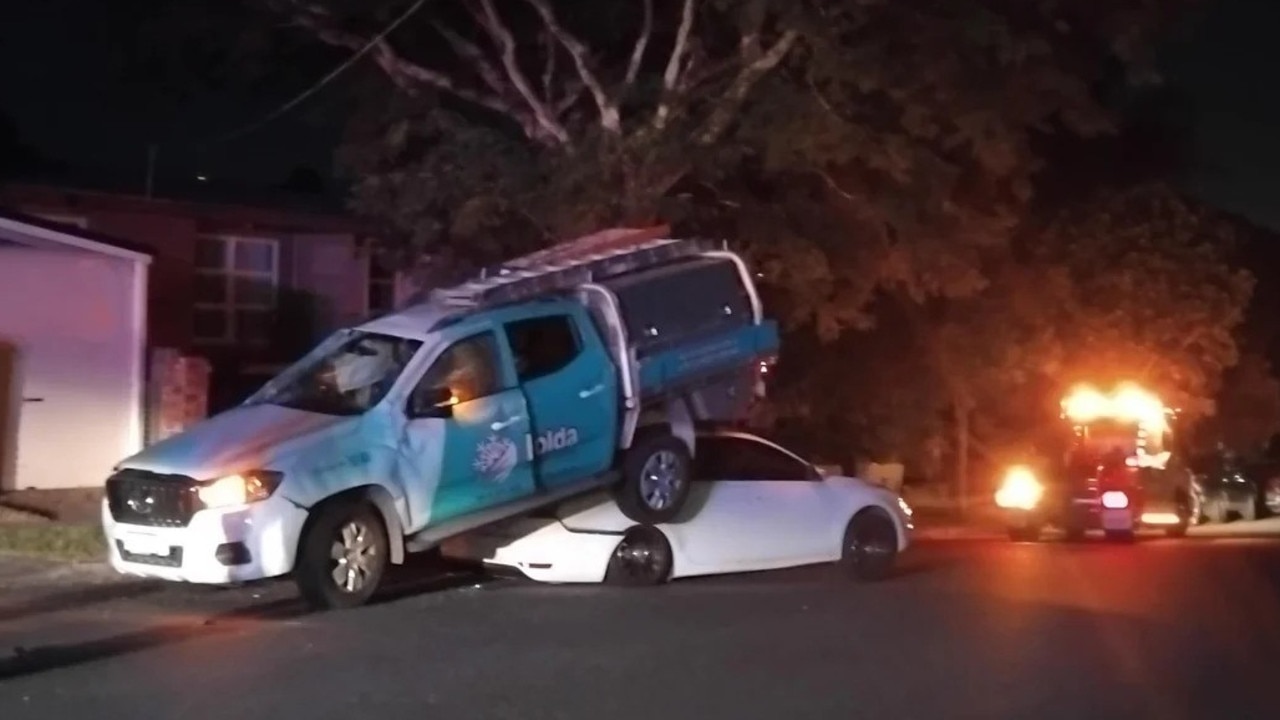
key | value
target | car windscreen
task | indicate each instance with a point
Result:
(347, 374)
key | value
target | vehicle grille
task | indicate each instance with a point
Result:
(138, 497)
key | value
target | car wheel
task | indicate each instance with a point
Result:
(343, 556)
(870, 546)
(1122, 536)
(1029, 533)
(655, 479)
(643, 557)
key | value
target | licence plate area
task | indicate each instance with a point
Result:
(148, 549)
(1117, 519)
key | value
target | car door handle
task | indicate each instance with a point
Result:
(584, 394)
(32, 399)
(504, 424)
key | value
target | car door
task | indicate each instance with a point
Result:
(467, 432)
(763, 507)
(571, 389)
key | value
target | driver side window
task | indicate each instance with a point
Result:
(469, 370)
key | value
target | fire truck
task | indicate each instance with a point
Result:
(1116, 471)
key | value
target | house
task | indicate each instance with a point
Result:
(248, 289)
(73, 322)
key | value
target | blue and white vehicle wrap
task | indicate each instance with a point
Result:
(423, 413)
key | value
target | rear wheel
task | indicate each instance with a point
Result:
(1121, 536)
(870, 546)
(655, 478)
(642, 558)
(342, 557)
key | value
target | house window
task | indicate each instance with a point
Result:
(382, 287)
(235, 289)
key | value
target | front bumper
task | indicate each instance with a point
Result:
(219, 546)
(541, 549)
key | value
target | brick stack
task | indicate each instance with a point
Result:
(178, 393)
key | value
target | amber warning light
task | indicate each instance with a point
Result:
(1127, 403)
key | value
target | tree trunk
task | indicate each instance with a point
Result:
(962, 413)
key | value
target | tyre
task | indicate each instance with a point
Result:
(1120, 536)
(870, 546)
(1029, 533)
(342, 557)
(656, 472)
(643, 557)
(1073, 533)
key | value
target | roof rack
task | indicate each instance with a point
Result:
(569, 264)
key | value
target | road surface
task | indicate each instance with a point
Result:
(969, 629)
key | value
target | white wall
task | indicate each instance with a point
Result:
(71, 316)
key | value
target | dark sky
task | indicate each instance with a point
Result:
(68, 88)
(72, 89)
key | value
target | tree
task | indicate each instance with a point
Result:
(1248, 407)
(789, 126)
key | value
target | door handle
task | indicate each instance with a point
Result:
(504, 424)
(584, 394)
(32, 399)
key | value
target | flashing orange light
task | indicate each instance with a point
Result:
(1129, 402)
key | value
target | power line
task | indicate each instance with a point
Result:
(251, 127)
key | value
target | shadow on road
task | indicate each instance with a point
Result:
(404, 582)
(77, 598)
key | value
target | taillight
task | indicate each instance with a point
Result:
(1115, 500)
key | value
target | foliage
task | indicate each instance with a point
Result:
(845, 145)
(876, 160)
(1248, 407)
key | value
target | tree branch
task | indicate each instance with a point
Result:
(507, 43)
(637, 52)
(729, 105)
(549, 67)
(408, 75)
(471, 52)
(609, 118)
(671, 76)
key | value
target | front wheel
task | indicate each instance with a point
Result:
(343, 556)
(1026, 533)
(643, 557)
(870, 546)
(655, 479)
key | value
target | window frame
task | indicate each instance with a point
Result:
(808, 473)
(229, 273)
(574, 332)
(500, 384)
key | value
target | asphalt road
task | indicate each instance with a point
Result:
(969, 629)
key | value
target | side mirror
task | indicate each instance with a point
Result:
(433, 403)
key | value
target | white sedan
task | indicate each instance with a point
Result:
(754, 506)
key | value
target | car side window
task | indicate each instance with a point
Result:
(733, 458)
(542, 346)
(469, 369)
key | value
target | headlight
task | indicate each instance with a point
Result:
(1020, 489)
(902, 504)
(239, 489)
